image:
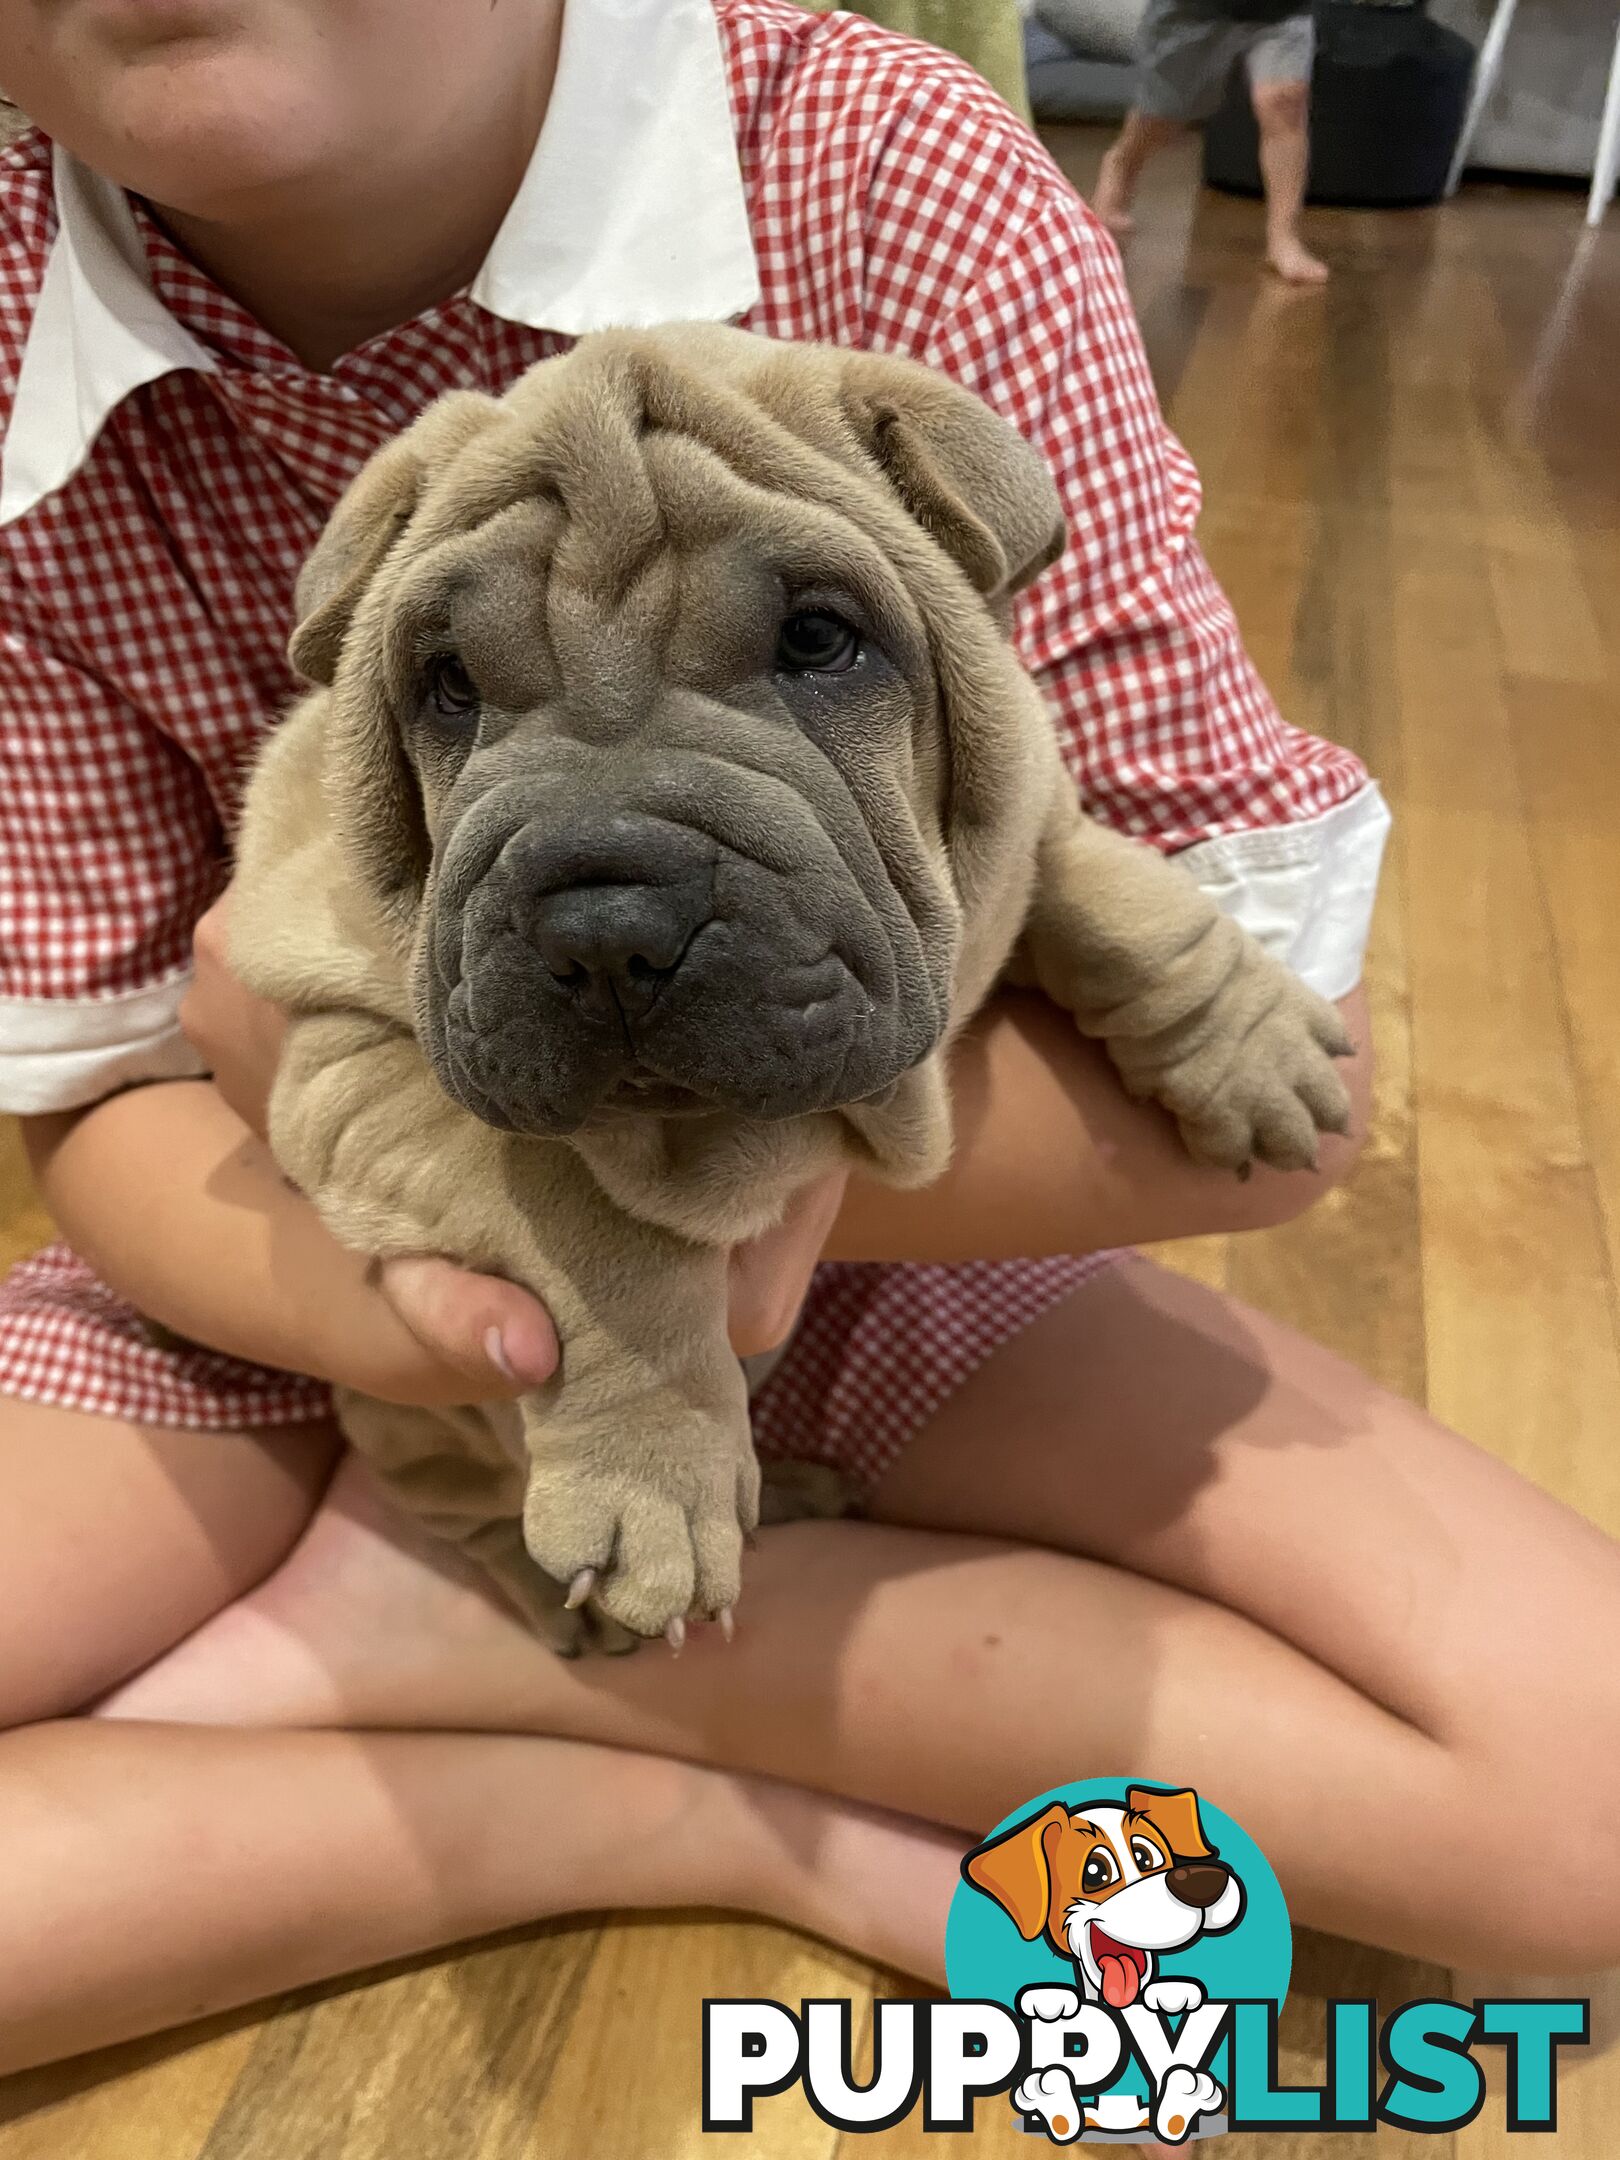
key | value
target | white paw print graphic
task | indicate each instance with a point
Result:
(1050, 2094)
(1050, 2004)
(1185, 2095)
(1171, 1997)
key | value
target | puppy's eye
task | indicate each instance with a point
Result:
(451, 690)
(816, 642)
(1099, 1871)
(1145, 1855)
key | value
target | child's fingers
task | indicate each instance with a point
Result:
(771, 1274)
(493, 1334)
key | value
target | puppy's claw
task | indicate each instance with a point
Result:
(580, 1589)
(728, 1623)
(675, 1636)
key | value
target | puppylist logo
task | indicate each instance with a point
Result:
(1118, 1955)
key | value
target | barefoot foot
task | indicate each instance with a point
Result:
(1111, 198)
(1293, 262)
(366, 1610)
(371, 1622)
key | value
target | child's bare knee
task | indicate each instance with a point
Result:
(1281, 108)
(1547, 1860)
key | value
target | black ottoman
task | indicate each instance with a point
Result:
(1387, 104)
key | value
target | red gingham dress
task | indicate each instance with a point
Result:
(893, 203)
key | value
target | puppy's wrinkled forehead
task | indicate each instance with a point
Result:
(617, 511)
(648, 510)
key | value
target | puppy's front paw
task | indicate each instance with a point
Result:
(650, 1543)
(541, 1603)
(1255, 1081)
(571, 1631)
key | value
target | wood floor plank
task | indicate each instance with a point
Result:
(1545, 622)
(145, 2102)
(1521, 1351)
(1569, 777)
(450, 2056)
(630, 2082)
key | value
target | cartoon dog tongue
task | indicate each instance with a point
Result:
(1119, 1972)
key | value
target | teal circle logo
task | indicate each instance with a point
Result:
(1141, 1900)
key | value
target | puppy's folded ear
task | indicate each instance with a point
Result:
(369, 518)
(966, 475)
(1016, 1868)
(375, 800)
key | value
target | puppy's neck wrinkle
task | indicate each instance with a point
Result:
(716, 1180)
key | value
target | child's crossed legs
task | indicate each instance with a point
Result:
(1153, 1533)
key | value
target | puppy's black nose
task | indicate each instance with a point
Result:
(615, 947)
(1198, 1883)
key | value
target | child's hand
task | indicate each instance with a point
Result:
(770, 1276)
(483, 1339)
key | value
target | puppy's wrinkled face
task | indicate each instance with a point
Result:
(667, 714)
(658, 879)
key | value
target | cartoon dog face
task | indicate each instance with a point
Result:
(1111, 1887)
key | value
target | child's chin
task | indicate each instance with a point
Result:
(201, 125)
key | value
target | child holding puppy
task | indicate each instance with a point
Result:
(258, 1733)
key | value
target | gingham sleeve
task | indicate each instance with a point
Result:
(1166, 725)
(109, 852)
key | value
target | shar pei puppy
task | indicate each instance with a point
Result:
(668, 796)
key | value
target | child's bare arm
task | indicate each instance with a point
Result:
(182, 1211)
(1052, 1156)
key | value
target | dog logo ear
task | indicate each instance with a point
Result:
(965, 474)
(1016, 1869)
(1175, 1816)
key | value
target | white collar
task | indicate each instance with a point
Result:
(631, 212)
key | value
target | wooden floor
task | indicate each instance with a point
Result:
(1414, 498)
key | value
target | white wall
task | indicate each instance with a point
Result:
(1544, 116)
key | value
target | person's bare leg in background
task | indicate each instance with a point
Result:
(1282, 114)
(1140, 139)
(1187, 51)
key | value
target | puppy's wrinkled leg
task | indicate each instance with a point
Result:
(636, 1463)
(1193, 1012)
(642, 1480)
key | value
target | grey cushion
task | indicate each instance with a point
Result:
(1065, 88)
(1093, 29)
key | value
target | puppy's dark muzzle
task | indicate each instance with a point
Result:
(604, 962)
(611, 915)
(616, 948)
